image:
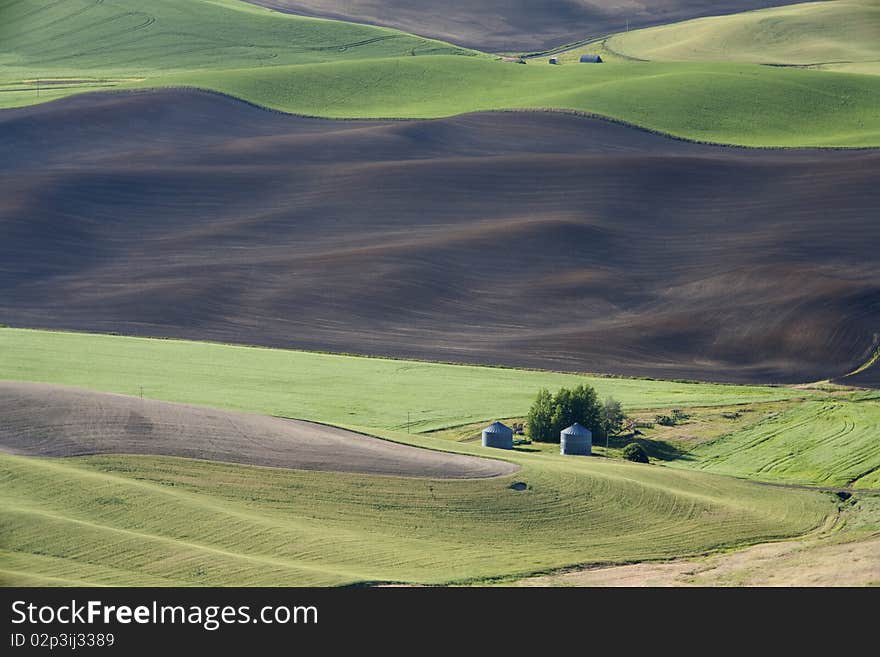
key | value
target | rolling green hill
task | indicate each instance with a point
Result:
(42, 38)
(165, 521)
(728, 103)
(161, 520)
(336, 69)
(836, 35)
(366, 392)
(54, 49)
(830, 443)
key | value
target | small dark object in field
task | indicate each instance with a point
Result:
(635, 452)
(518, 485)
(731, 416)
(843, 495)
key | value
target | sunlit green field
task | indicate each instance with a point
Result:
(836, 35)
(81, 37)
(162, 521)
(155, 520)
(831, 442)
(730, 103)
(367, 392)
(340, 70)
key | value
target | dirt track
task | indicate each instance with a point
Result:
(527, 239)
(787, 563)
(518, 25)
(46, 420)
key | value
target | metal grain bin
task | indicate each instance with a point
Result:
(577, 439)
(498, 435)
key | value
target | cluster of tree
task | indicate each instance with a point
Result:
(550, 414)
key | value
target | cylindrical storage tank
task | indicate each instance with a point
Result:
(498, 435)
(577, 440)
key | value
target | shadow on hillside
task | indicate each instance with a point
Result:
(658, 450)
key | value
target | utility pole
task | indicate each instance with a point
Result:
(407, 421)
(142, 391)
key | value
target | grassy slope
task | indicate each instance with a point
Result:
(146, 520)
(728, 103)
(846, 553)
(832, 443)
(83, 45)
(274, 64)
(841, 34)
(366, 392)
(140, 520)
(113, 37)
(830, 440)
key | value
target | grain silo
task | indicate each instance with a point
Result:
(577, 439)
(498, 435)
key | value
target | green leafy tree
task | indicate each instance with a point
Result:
(613, 417)
(550, 414)
(538, 424)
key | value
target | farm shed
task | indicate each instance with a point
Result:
(577, 439)
(553, 60)
(591, 59)
(498, 435)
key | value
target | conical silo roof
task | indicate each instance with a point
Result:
(577, 429)
(498, 427)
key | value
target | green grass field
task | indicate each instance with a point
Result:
(830, 442)
(373, 393)
(837, 35)
(45, 38)
(158, 520)
(728, 103)
(339, 70)
(163, 521)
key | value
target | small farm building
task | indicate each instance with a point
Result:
(577, 439)
(553, 60)
(591, 59)
(498, 435)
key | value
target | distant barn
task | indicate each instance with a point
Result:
(498, 435)
(577, 439)
(591, 59)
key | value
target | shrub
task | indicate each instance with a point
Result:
(635, 452)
